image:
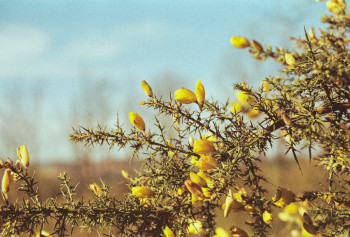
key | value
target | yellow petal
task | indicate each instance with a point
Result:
(240, 42)
(200, 93)
(290, 60)
(195, 227)
(168, 232)
(267, 217)
(253, 113)
(203, 147)
(195, 178)
(206, 163)
(96, 189)
(147, 89)
(238, 232)
(6, 181)
(137, 121)
(194, 188)
(336, 6)
(39, 233)
(185, 96)
(242, 97)
(220, 232)
(23, 155)
(236, 107)
(142, 192)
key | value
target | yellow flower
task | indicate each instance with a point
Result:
(200, 93)
(283, 197)
(207, 192)
(253, 113)
(194, 188)
(96, 189)
(137, 121)
(171, 152)
(168, 232)
(206, 163)
(240, 42)
(257, 47)
(185, 96)
(236, 107)
(290, 60)
(209, 180)
(142, 192)
(242, 97)
(125, 174)
(23, 155)
(291, 208)
(147, 89)
(265, 85)
(195, 178)
(220, 232)
(267, 217)
(6, 181)
(238, 232)
(195, 227)
(203, 147)
(336, 6)
(39, 233)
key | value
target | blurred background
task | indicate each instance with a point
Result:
(68, 63)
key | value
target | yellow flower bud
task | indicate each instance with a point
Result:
(137, 121)
(203, 147)
(257, 47)
(6, 181)
(283, 197)
(168, 232)
(142, 192)
(336, 6)
(39, 233)
(206, 163)
(147, 89)
(220, 232)
(228, 203)
(200, 94)
(125, 174)
(185, 96)
(195, 178)
(240, 42)
(194, 188)
(195, 227)
(267, 217)
(290, 60)
(238, 232)
(23, 155)
(96, 189)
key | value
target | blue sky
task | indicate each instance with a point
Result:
(58, 42)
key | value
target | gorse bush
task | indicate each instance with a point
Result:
(210, 165)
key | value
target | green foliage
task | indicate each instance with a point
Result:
(308, 104)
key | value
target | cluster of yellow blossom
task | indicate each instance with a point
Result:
(242, 42)
(23, 160)
(186, 96)
(243, 105)
(336, 6)
(96, 189)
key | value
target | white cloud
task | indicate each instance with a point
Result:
(28, 52)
